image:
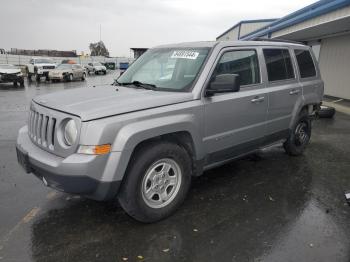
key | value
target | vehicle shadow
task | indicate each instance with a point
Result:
(11, 87)
(232, 213)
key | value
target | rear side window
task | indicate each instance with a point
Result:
(305, 63)
(279, 65)
(241, 62)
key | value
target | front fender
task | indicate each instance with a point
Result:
(133, 134)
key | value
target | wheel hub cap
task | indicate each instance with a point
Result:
(161, 183)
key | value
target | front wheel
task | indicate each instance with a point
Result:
(157, 182)
(300, 135)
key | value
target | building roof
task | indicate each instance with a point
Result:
(316, 9)
(246, 22)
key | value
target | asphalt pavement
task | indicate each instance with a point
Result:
(268, 207)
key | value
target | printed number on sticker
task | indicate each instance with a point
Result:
(185, 54)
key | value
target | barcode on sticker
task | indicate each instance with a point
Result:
(185, 54)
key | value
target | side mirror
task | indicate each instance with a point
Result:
(223, 84)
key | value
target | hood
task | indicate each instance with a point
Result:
(96, 102)
(45, 64)
(100, 67)
(60, 70)
(10, 71)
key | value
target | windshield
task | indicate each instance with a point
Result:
(97, 64)
(43, 61)
(172, 69)
(64, 66)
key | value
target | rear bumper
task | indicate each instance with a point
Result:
(76, 174)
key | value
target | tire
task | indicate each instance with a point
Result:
(104, 72)
(299, 136)
(326, 112)
(29, 76)
(83, 77)
(15, 83)
(156, 156)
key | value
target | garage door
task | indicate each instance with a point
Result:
(335, 65)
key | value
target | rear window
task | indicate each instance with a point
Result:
(305, 63)
(279, 65)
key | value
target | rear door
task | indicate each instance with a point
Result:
(283, 90)
(235, 121)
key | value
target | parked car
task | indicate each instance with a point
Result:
(11, 74)
(141, 141)
(96, 68)
(67, 72)
(40, 67)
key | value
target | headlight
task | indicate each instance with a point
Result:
(70, 132)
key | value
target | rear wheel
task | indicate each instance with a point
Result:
(300, 135)
(157, 182)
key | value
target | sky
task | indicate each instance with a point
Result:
(73, 24)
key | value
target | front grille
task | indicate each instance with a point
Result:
(9, 77)
(48, 67)
(42, 128)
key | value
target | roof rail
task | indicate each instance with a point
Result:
(274, 40)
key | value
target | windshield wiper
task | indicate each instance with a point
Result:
(138, 84)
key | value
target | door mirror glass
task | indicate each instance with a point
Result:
(224, 83)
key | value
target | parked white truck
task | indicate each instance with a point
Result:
(40, 67)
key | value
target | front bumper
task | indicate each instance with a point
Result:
(56, 77)
(76, 174)
(6, 78)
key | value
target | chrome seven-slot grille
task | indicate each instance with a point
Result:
(41, 129)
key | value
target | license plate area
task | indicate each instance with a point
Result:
(23, 160)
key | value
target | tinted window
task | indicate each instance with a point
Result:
(305, 63)
(241, 62)
(278, 63)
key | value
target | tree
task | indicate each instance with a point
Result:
(98, 49)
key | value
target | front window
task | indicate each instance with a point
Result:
(64, 66)
(168, 69)
(43, 61)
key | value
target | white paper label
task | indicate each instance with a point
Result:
(185, 54)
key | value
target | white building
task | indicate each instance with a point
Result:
(324, 25)
(243, 28)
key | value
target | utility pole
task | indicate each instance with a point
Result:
(100, 33)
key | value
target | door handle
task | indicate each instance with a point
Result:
(294, 92)
(257, 99)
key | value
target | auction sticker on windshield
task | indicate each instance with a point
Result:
(185, 54)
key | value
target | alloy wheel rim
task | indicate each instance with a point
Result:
(301, 134)
(161, 183)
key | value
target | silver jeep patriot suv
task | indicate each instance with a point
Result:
(177, 111)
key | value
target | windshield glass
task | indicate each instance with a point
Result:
(43, 61)
(172, 69)
(64, 66)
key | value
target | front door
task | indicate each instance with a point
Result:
(235, 121)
